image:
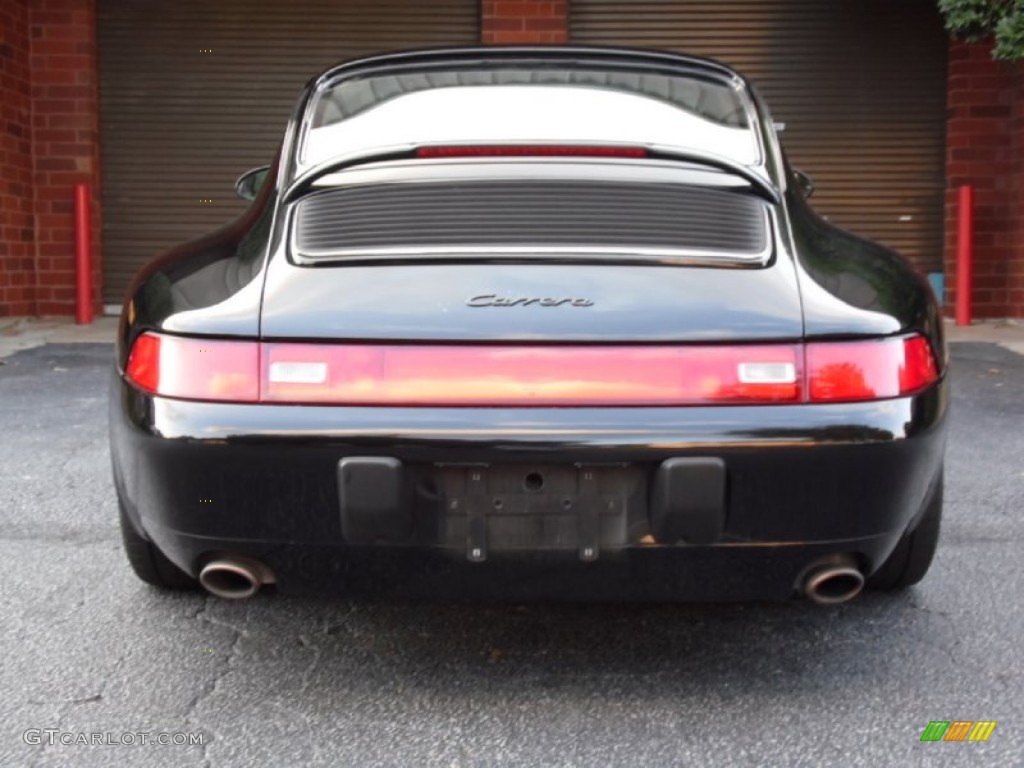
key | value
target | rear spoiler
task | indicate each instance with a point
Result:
(761, 185)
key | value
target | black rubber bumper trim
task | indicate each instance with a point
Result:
(688, 500)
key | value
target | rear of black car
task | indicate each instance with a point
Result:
(530, 368)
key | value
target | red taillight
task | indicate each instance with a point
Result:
(530, 150)
(143, 369)
(869, 370)
(919, 369)
(529, 375)
(195, 369)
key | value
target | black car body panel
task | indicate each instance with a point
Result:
(211, 286)
(457, 302)
(800, 482)
(854, 286)
(848, 477)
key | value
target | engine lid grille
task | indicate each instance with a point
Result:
(523, 217)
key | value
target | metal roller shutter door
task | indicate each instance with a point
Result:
(859, 84)
(193, 93)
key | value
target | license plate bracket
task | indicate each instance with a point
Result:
(509, 507)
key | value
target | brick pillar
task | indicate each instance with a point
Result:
(65, 141)
(1015, 261)
(525, 23)
(17, 232)
(981, 149)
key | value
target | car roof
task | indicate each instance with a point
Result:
(508, 53)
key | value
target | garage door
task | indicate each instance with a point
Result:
(193, 93)
(859, 84)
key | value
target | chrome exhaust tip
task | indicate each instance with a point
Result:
(233, 578)
(833, 581)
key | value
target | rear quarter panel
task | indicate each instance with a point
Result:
(851, 286)
(208, 286)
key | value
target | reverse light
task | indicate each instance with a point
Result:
(767, 373)
(298, 373)
(529, 150)
(530, 375)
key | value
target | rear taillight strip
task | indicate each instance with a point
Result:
(530, 375)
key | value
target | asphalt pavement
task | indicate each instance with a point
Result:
(91, 654)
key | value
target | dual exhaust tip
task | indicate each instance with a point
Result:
(234, 577)
(833, 580)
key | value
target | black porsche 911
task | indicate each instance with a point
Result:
(530, 323)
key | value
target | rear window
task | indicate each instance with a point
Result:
(529, 103)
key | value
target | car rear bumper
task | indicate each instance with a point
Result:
(800, 483)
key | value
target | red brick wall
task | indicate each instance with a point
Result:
(1015, 257)
(65, 142)
(17, 233)
(513, 21)
(49, 141)
(984, 142)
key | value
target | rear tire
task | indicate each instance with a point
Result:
(148, 562)
(910, 561)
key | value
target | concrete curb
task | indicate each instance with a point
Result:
(18, 333)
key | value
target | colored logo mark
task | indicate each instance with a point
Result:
(958, 730)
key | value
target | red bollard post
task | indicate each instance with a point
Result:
(964, 254)
(83, 255)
